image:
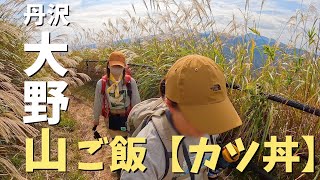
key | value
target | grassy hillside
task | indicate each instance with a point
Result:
(13, 60)
(170, 31)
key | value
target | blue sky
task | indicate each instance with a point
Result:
(274, 16)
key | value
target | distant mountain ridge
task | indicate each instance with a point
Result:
(260, 42)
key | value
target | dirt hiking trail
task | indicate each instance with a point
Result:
(82, 113)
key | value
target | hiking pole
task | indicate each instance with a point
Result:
(96, 135)
(282, 100)
(141, 65)
(130, 64)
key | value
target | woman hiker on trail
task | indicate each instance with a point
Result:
(116, 93)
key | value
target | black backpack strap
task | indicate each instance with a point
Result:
(127, 80)
(211, 139)
(145, 122)
(129, 88)
(167, 154)
(187, 159)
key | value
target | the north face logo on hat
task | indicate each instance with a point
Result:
(216, 87)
